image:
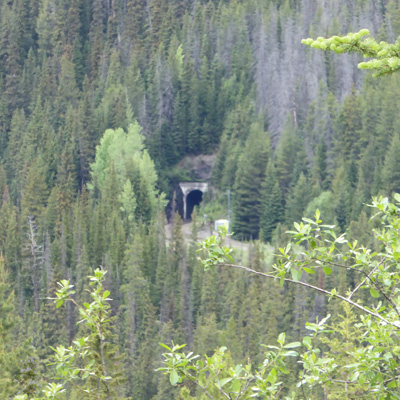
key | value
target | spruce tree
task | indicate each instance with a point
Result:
(349, 127)
(298, 200)
(13, 350)
(248, 183)
(391, 171)
(286, 155)
(272, 204)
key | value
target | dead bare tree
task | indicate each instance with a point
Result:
(35, 252)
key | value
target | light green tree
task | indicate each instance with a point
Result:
(123, 165)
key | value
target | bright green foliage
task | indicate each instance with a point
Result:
(363, 346)
(343, 338)
(118, 150)
(88, 364)
(122, 164)
(385, 56)
(218, 377)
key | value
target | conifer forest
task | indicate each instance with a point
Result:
(107, 107)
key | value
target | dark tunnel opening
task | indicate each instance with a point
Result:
(193, 199)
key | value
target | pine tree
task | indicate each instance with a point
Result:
(12, 238)
(391, 172)
(272, 204)
(319, 172)
(36, 191)
(11, 53)
(348, 127)
(206, 337)
(298, 200)
(12, 351)
(248, 184)
(7, 385)
(15, 154)
(96, 36)
(343, 197)
(286, 155)
(143, 387)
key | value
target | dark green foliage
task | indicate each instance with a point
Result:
(272, 204)
(200, 78)
(391, 172)
(349, 125)
(248, 184)
(298, 200)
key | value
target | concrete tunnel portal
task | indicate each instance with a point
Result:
(192, 196)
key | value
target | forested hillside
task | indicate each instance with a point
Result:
(100, 100)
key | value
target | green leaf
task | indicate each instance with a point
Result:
(230, 258)
(295, 274)
(307, 342)
(165, 346)
(174, 378)
(282, 338)
(292, 345)
(396, 197)
(374, 293)
(392, 384)
(283, 369)
(236, 386)
(272, 376)
(396, 255)
(290, 353)
(327, 270)
(223, 382)
(309, 270)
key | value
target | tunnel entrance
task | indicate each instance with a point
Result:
(192, 196)
(193, 199)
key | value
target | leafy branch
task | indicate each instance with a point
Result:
(216, 377)
(317, 246)
(385, 56)
(78, 362)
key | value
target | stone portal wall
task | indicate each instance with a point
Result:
(188, 187)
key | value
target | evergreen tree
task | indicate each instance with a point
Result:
(390, 172)
(272, 204)
(348, 127)
(248, 183)
(298, 200)
(343, 197)
(143, 387)
(286, 155)
(12, 351)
